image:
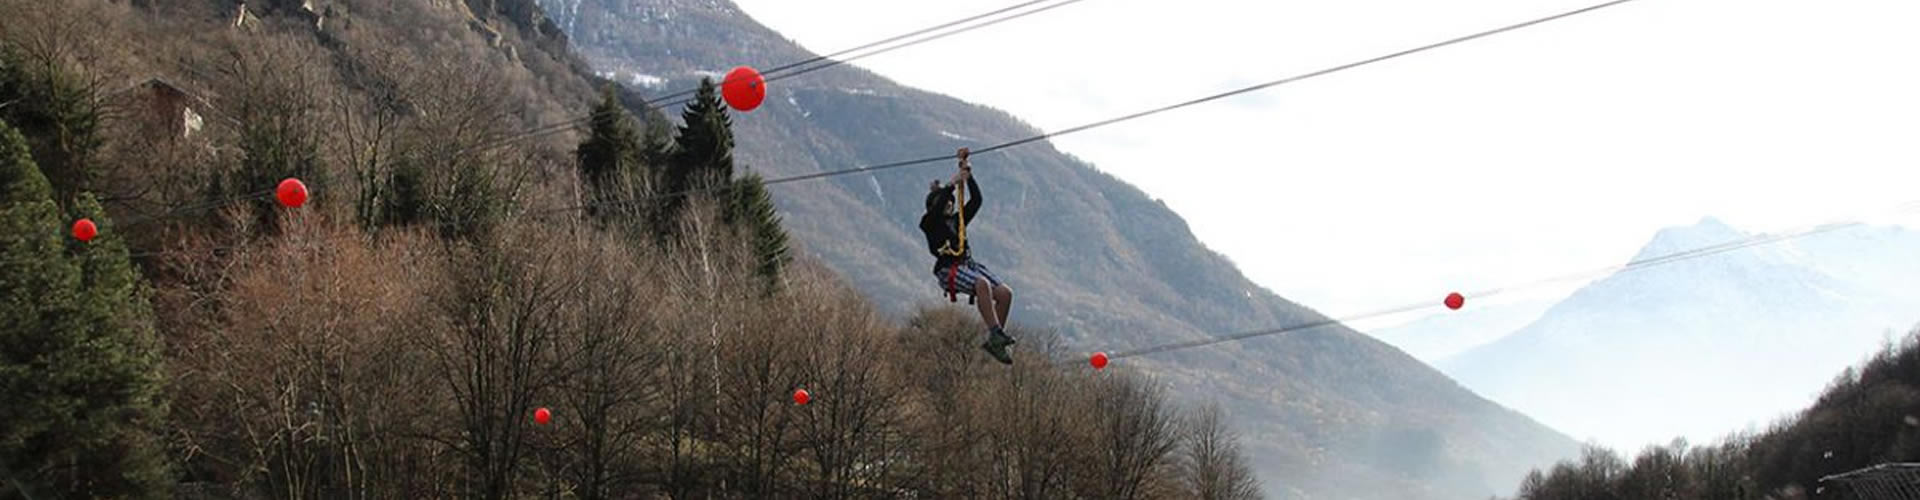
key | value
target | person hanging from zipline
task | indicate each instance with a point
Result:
(945, 225)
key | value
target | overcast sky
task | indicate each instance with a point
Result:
(1558, 148)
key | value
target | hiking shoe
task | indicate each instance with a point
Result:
(999, 352)
(999, 336)
(996, 346)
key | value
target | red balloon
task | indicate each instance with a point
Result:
(542, 416)
(800, 396)
(292, 193)
(1099, 360)
(744, 88)
(1454, 301)
(84, 230)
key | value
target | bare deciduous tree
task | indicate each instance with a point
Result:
(609, 401)
(1134, 436)
(853, 432)
(754, 416)
(1212, 466)
(270, 94)
(508, 300)
(371, 118)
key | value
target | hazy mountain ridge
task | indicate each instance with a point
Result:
(1442, 335)
(1696, 346)
(1112, 268)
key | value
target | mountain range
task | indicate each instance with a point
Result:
(1697, 347)
(1439, 336)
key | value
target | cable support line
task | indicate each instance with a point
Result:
(839, 62)
(1636, 264)
(1141, 114)
(1296, 78)
(682, 97)
(829, 58)
(192, 208)
(1673, 257)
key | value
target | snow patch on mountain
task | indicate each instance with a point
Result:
(648, 81)
(796, 105)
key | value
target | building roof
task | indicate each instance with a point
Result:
(1885, 481)
(195, 98)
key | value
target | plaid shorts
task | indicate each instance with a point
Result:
(969, 273)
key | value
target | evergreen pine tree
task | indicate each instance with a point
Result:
(78, 360)
(702, 152)
(751, 211)
(473, 205)
(613, 146)
(702, 157)
(59, 117)
(611, 157)
(658, 138)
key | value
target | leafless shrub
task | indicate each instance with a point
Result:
(292, 391)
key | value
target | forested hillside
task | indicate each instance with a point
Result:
(462, 310)
(1866, 416)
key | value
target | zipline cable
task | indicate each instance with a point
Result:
(1140, 114)
(660, 103)
(1636, 264)
(832, 62)
(1292, 79)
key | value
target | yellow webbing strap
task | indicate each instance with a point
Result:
(960, 208)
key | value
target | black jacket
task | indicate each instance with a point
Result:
(942, 230)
